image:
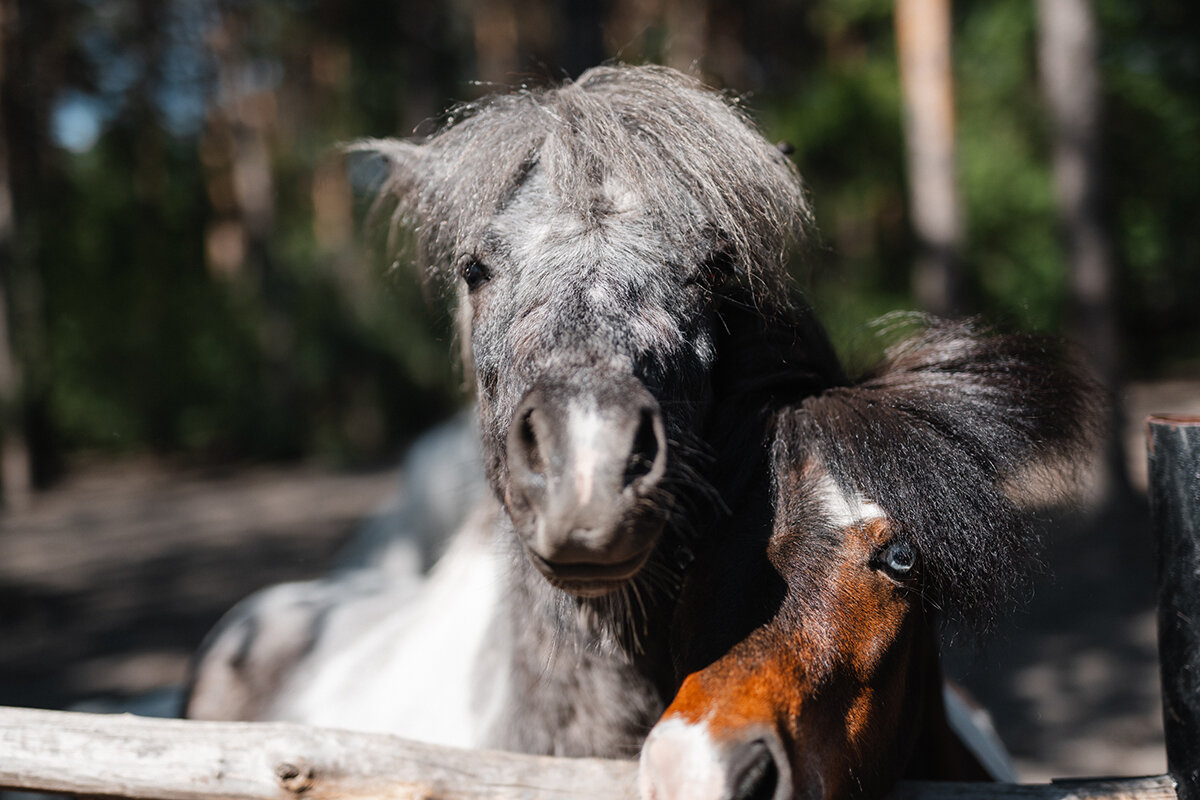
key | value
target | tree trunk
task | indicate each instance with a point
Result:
(242, 122)
(1071, 85)
(14, 455)
(495, 28)
(923, 49)
(26, 453)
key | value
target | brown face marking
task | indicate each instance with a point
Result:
(751, 685)
(828, 672)
(871, 608)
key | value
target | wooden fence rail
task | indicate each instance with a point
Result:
(155, 759)
(138, 758)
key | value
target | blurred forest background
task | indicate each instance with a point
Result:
(185, 269)
(199, 330)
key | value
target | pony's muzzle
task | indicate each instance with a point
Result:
(683, 761)
(583, 473)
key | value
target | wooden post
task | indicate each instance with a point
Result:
(1173, 445)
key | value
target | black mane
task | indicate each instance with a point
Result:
(957, 435)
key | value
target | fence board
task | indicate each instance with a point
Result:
(1159, 787)
(153, 759)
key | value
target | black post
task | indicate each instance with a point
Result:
(1173, 445)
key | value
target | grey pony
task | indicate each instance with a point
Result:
(618, 248)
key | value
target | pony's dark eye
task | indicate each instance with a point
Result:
(715, 270)
(897, 559)
(474, 273)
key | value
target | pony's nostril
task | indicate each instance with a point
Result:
(753, 772)
(645, 449)
(531, 452)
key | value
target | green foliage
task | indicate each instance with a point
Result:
(1151, 68)
(843, 118)
(323, 346)
(1013, 252)
(843, 115)
(303, 350)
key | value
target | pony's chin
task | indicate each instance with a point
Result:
(588, 591)
(591, 580)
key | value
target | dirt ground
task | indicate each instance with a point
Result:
(109, 581)
(1071, 679)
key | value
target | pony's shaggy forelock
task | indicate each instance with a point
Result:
(692, 159)
(942, 436)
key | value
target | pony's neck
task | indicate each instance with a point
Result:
(938, 752)
(582, 677)
(591, 676)
(767, 359)
(780, 354)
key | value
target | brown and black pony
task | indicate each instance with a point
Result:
(811, 636)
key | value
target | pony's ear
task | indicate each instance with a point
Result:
(384, 165)
(402, 177)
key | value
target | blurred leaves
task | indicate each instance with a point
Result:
(184, 313)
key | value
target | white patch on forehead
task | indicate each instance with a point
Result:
(844, 509)
(585, 428)
(621, 196)
(600, 296)
(623, 270)
(655, 329)
(535, 221)
(542, 229)
(680, 761)
(548, 237)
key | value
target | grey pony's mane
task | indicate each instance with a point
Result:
(692, 157)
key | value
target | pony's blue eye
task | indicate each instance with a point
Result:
(898, 558)
(474, 274)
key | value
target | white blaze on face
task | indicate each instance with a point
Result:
(585, 429)
(680, 761)
(845, 509)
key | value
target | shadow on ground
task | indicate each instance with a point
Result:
(108, 583)
(1071, 679)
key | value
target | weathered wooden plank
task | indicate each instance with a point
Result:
(1159, 787)
(152, 759)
